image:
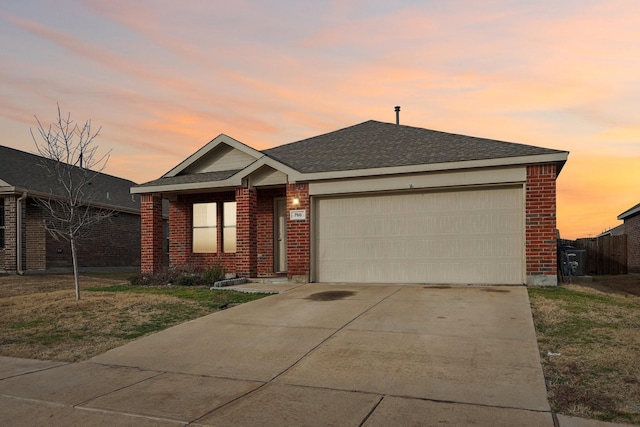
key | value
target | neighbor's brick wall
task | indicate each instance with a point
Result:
(1, 244)
(265, 230)
(35, 236)
(298, 233)
(181, 228)
(632, 230)
(113, 242)
(541, 220)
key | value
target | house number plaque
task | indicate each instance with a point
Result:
(298, 215)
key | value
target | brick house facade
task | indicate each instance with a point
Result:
(25, 244)
(631, 218)
(342, 205)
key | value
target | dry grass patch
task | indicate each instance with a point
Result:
(40, 318)
(589, 343)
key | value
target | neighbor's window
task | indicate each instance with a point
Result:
(205, 227)
(229, 226)
(1, 223)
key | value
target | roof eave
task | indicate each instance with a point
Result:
(630, 212)
(233, 181)
(293, 175)
(559, 158)
(41, 195)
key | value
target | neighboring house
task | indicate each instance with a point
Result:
(631, 218)
(115, 242)
(615, 231)
(371, 203)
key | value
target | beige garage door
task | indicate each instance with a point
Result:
(467, 236)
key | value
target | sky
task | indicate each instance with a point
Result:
(162, 78)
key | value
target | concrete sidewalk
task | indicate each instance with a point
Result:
(344, 355)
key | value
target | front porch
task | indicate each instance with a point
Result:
(248, 230)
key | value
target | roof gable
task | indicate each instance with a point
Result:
(375, 144)
(221, 158)
(22, 171)
(219, 154)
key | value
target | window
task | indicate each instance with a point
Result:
(1, 223)
(205, 229)
(229, 226)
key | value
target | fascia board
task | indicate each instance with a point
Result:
(443, 179)
(626, 214)
(234, 181)
(10, 189)
(472, 164)
(220, 139)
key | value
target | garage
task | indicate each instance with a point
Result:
(464, 236)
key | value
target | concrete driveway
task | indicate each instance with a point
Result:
(343, 355)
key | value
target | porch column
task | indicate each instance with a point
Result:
(151, 233)
(246, 232)
(298, 232)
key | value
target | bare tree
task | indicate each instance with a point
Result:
(71, 160)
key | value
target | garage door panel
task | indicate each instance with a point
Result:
(473, 236)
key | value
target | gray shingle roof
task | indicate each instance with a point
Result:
(191, 178)
(27, 172)
(374, 144)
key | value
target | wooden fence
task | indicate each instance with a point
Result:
(605, 255)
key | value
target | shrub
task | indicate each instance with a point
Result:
(213, 273)
(164, 277)
(187, 280)
(185, 276)
(138, 279)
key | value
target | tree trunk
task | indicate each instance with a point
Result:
(76, 277)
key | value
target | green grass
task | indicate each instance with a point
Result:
(580, 301)
(589, 346)
(51, 325)
(203, 296)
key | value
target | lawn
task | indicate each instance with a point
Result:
(588, 335)
(40, 318)
(589, 340)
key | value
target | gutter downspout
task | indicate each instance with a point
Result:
(19, 233)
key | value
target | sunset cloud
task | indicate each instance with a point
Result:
(164, 79)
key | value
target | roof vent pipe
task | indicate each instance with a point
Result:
(397, 115)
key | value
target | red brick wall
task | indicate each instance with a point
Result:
(298, 233)
(632, 230)
(541, 224)
(265, 230)
(181, 233)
